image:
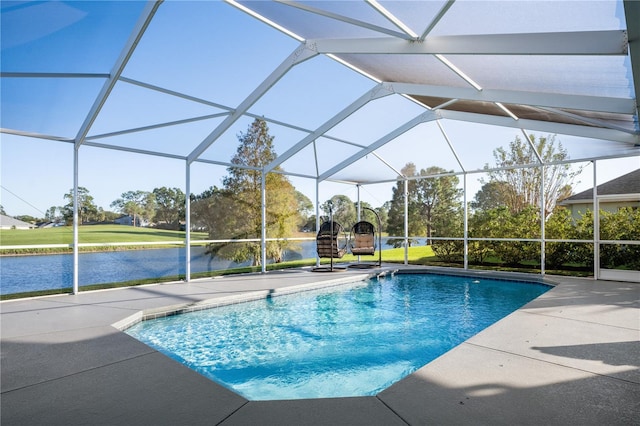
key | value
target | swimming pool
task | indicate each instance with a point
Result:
(349, 340)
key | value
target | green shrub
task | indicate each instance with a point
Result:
(449, 250)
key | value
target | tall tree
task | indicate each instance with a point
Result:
(383, 212)
(525, 182)
(492, 195)
(87, 209)
(169, 206)
(438, 201)
(433, 204)
(344, 210)
(242, 194)
(50, 214)
(305, 210)
(137, 204)
(365, 212)
(101, 215)
(148, 206)
(395, 220)
(210, 211)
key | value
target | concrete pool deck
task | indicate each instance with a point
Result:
(572, 356)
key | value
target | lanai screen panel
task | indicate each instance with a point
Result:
(552, 67)
(51, 106)
(56, 56)
(65, 37)
(490, 62)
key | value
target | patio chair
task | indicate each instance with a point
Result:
(329, 246)
(327, 242)
(363, 241)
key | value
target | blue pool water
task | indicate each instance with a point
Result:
(350, 340)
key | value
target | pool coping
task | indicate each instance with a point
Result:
(213, 303)
(165, 311)
(579, 366)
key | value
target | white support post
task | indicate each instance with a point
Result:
(76, 240)
(317, 216)
(406, 221)
(358, 202)
(187, 223)
(543, 201)
(596, 225)
(359, 210)
(263, 236)
(466, 222)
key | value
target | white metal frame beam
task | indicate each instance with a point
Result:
(613, 42)
(632, 15)
(344, 19)
(226, 108)
(375, 93)
(299, 55)
(443, 11)
(392, 18)
(591, 121)
(542, 126)
(143, 22)
(174, 93)
(264, 19)
(35, 135)
(422, 118)
(133, 150)
(156, 126)
(52, 75)
(451, 147)
(538, 99)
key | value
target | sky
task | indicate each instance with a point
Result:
(214, 52)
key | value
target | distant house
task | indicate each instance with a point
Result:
(50, 224)
(124, 220)
(128, 220)
(7, 222)
(613, 195)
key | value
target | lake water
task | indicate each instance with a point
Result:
(47, 272)
(30, 273)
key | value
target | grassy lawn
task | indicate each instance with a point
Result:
(92, 234)
(417, 255)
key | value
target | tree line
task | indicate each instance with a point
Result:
(163, 206)
(510, 205)
(506, 206)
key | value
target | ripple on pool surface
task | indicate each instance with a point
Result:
(351, 340)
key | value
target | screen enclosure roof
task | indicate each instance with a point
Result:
(351, 90)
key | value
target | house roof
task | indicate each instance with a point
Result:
(626, 184)
(9, 222)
